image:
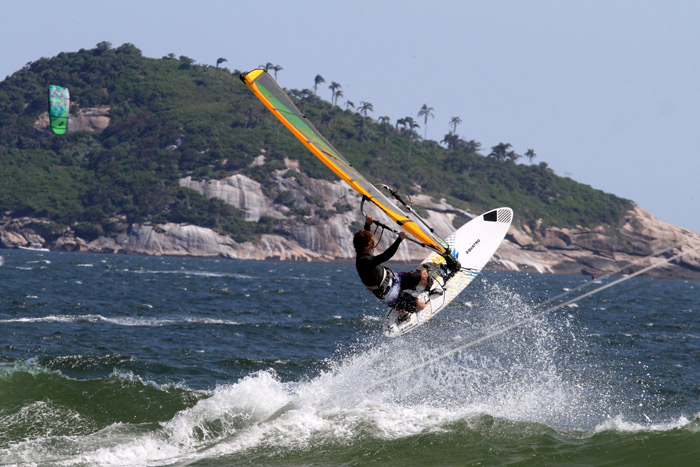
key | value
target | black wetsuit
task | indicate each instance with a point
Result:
(371, 272)
(369, 266)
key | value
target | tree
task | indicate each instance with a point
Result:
(277, 68)
(334, 87)
(513, 156)
(303, 96)
(103, 46)
(338, 95)
(318, 80)
(499, 151)
(384, 122)
(471, 146)
(364, 108)
(426, 112)
(185, 61)
(219, 61)
(451, 140)
(409, 129)
(454, 121)
(349, 105)
(530, 154)
(502, 152)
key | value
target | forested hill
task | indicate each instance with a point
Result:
(170, 118)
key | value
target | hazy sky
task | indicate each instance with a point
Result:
(606, 92)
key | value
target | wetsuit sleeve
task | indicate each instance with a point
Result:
(369, 267)
(389, 252)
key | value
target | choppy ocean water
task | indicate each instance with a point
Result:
(135, 360)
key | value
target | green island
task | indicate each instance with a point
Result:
(171, 118)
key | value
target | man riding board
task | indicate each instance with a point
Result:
(388, 286)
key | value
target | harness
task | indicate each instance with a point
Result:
(381, 290)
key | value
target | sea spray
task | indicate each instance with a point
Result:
(520, 375)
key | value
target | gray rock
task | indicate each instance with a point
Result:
(312, 238)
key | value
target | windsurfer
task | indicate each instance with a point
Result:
(388, 286)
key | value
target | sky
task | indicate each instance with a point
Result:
(605, 92)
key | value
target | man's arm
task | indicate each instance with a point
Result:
(391, 251)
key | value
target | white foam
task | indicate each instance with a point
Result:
(620, 424)
(260, 411)
(120, 321)
(185, 272)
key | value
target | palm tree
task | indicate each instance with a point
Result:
(349, 105)
(363, 109)
(451, 140)
(267, 66)
(471, 146)
(530, 154)
(277, 68)
(334, 87)
(318, 80)
(500, 151)
(425, 112)
(304, 95)
(410, 125)
(453, 123)
(409, 130)
(338, 95)
(384, 123)
(220, 61)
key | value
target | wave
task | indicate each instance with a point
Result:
(44, 409)
(523, 395)
(260, 419)
(620, 425)
(186, 272)
(125, 321)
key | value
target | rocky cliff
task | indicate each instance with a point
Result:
(316, 224)
(94, 119)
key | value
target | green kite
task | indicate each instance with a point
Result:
(59, 106)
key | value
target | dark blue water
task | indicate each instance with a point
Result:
(135, 360)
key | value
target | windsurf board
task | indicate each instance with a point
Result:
(472, 245)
